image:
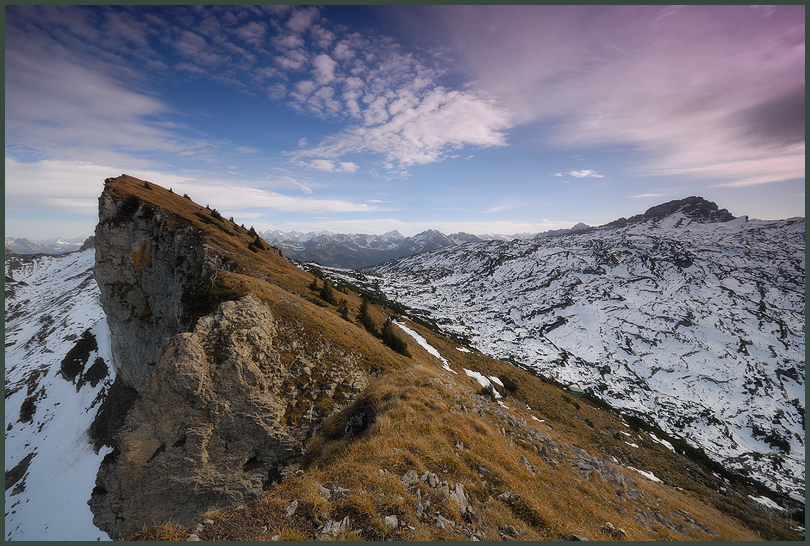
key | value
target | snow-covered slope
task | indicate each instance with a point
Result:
(694, 323)
(53, 322)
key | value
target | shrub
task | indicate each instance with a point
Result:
(215, 213)
(327, 294)
(392, 340)
(508, 383)
(257, 244)
(343, 308)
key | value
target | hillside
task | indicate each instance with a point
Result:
(683, 315)
(246, 406)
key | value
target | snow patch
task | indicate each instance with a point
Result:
(483, 381)
(648, 475)
(765, 501)
(427, 346)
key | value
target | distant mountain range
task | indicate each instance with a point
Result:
(358, 250)
(54, 245)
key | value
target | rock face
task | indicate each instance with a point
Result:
(211, 424)
(202, 415)
(144, 258)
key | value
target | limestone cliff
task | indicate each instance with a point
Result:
(220, 394)
(144, 257)
(210, 427)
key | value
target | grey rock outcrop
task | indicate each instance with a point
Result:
(209, 427)
(145, 257)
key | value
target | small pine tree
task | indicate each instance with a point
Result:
(314, 284)
(343, 308)
(364, 318)
(327, 294)
(252, 232)
(392, 340)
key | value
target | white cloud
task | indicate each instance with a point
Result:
(422, 130)
(343, 52)
(253, 32)
(328, 166)
(301, 19)
(646, 195)
(501, 208)
(323, 67)
(68, 111)
(585, 173)
(72, 187)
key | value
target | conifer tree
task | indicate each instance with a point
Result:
(343, 308)
(364, 318)
(392, 340)
(327, 294)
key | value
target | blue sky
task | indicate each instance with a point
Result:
(484, 119)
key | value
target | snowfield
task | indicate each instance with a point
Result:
(699, 326)
(51, 301)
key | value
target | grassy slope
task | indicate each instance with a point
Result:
(417, 422)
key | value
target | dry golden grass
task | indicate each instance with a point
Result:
(417, 423)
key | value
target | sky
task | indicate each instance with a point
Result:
(368, 119)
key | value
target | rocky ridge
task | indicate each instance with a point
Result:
(209, 416)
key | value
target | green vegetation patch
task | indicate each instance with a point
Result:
(204, 295)
(211, 221)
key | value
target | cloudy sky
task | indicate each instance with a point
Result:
(484, 119)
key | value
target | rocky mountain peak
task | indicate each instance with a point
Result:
(696, 208)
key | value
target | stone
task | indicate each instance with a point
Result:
(339, 492)
(444, 523)
(333, 528)
(391, 522)
(462, 498)
(510, 531)
(430, 478)
(212, 416)
(576, 538)
(507, 497)
(410, 477)
(290, 510)
(193, 538)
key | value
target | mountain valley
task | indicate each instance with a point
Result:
(183, 380)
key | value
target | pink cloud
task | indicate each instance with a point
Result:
(693, 86)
